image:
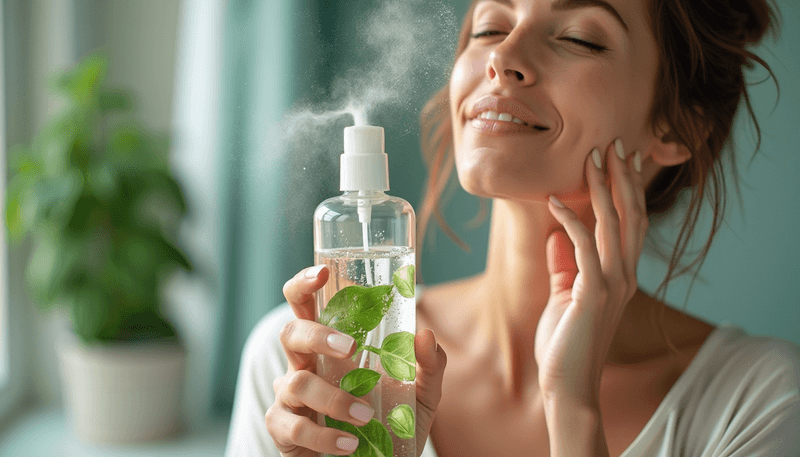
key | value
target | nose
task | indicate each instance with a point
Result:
(508, 62)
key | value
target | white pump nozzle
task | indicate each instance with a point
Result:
(364, 164)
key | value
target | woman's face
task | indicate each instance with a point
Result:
(559, 77)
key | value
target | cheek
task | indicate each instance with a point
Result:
(592, 106)
(467, 74)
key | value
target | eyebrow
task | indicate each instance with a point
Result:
(564, 5)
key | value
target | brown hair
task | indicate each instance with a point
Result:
(702, 50)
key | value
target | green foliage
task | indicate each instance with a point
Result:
(373, 439)
(100, 205)
(356, 310)
(401, 419)
(404, 280)
(397, 356)
(359, 381)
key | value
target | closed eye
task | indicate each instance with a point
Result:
(593, 47)
(486, 33)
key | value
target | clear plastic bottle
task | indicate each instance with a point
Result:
(367, 240)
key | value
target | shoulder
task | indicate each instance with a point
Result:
(742, 393)
(739, 359)
(739, 396)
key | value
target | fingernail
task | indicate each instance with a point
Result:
(313, 272)
(435, 344)
(556, 201)
(618, 147)
(361, 412)
(596, 159)
(340, 343)
(637, 161)
(347, 444)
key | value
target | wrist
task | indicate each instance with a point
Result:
(574, 428)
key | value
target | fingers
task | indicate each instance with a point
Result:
(305, 389)
(431, 362)
(302, 340)
(607, 229)
(614, 250)
(294, 435)
(628, 196)
(584, 242)
(299, 291)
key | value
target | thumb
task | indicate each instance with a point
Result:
(431, 361)
(561, 262)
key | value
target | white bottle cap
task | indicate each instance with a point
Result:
(364, 164)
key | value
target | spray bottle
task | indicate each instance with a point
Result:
(367, 240)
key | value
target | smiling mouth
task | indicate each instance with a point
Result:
(501, 117)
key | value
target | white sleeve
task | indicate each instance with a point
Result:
(762, 418)
(263, 360)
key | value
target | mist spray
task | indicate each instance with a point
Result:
(367, 240)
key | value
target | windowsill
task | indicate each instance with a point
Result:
(43, 432)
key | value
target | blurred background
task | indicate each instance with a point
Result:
(241, 88)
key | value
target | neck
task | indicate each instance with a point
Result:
(515, 286)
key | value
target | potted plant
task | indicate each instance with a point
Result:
(95, 196)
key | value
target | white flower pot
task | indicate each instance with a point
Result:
(122, 392)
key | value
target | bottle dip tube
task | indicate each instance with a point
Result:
(367, 238)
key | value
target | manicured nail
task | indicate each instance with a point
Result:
(618, 147)
(556, 201)
(347, 444)
(637, 161)
(596, 159)
(313, 272)
(361, 412)
(340, 343)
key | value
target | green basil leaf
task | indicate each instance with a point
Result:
(360, 381)
(355, 310)
(373, 439)
(397, 356)
(401, 419)
(403, 279)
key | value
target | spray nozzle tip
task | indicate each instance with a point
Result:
(363, 139)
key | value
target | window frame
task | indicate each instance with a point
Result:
(11, 336)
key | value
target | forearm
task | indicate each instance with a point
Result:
(575, 430)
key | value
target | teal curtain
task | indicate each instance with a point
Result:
(271, 59)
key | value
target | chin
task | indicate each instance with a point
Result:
(489, 174)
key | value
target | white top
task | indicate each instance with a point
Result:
(740, 396)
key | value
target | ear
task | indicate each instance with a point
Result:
(668, 153)
(666, 150)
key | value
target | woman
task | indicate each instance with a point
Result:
(579, 118)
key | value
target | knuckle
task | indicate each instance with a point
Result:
(287, 288)
(612, 217)
(336, 402)
(287, 331)
(296, 430)
(318, 333)
(298, 382)
(269, 418)
(277, 384)
(584, 240)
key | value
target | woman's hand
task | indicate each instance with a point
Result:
(592, 278)
(301, 394)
